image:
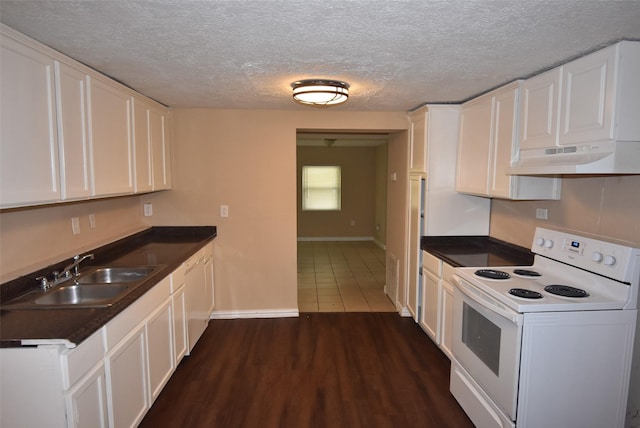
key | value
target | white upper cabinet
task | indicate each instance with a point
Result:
(489, 144)
(159, 143)
(75, 174)
(418, 142)
(474, 146)
(592, 99)
(150, 146)
(110, 138)
(70, 133)
(539, 113)
(29, 171)
(142, 146)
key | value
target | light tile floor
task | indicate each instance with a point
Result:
(341, 276)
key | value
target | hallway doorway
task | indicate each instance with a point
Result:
(342, 276)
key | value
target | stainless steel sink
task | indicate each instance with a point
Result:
(110, 275)
(95, 288)
(83, 295)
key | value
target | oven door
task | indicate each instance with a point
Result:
(486, 343)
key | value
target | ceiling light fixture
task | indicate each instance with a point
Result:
(320, 92)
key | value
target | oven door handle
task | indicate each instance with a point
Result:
(487, 302)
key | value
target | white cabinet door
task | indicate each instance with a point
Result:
(141, 146)
(179, 325)
(419, 150)
(473, 146)
(71, 87)
(446, 318)
(110, 138)
(29, 172)
(196, 300)
(160, 348)
(430, 306)
(86, 401)
(126, 370)
(504, 142)
(539, 112)
(587, 102)
(210, 284)
(159, 148)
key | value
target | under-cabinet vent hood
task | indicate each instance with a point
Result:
(608, 157)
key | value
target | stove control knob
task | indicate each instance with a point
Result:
(597, 257)
(548, 243)
(540, 242)
(609, 260)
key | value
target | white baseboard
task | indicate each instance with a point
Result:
(279, 313)
(336, 238)
(380, 244)
(404, 312)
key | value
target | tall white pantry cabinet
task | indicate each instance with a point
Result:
(435, 208)
(68, 132)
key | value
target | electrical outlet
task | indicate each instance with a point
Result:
(92, 221)
(75, 225)
(224, 210)
(148, 210)
(542, 213)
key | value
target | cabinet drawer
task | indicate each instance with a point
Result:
(432, 263)
(78, 361)
(177, 278)
(208, 251)
(447, 272)
(194, 260)
(121, 325)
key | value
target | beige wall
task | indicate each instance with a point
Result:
(34, 238)
(397, 207)
(358, 173)
(246, 159)
(607, 207)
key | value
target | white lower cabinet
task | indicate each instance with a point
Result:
(86, 401)
(446, 313)
(178, 306)
(126, 368)
(437, 319)
(161, 362)
(430, 305)
(113, 377)
(198, 294)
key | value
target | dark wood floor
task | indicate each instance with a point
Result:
(318, 370)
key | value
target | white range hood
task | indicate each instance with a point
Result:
(608, 157)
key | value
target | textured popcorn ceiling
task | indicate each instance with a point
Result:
(396, 55)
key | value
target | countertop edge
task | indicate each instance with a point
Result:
(197, 236)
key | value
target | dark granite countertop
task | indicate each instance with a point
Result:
(476, 251)
(165, 246)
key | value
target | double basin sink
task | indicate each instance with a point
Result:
(96, 287)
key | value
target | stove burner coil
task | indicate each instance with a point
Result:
(527, 272)
(565, 291)
(492, 274)
(525, 294)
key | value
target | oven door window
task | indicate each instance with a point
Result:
(482, 337)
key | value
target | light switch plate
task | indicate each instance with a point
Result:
(224, 210)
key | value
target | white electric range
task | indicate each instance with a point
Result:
(532, 344)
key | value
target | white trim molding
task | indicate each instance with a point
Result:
(277, 313)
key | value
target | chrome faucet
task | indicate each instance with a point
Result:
(66, 274)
